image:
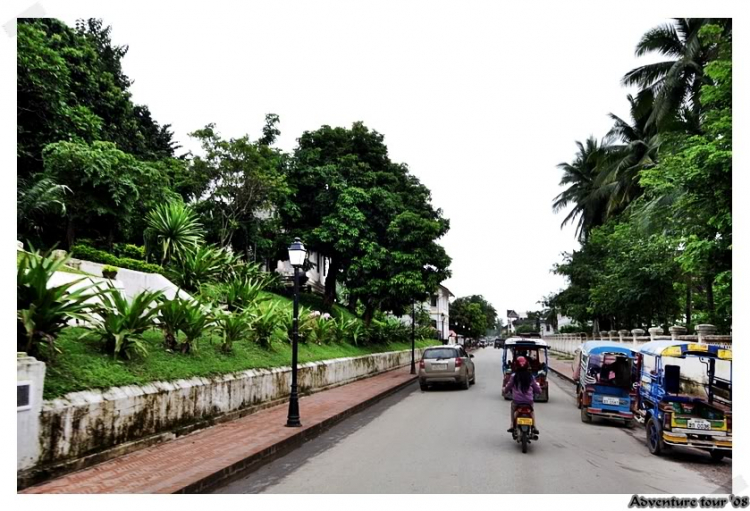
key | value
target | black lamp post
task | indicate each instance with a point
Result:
(297, 256)
(413, 326)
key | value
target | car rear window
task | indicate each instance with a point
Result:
(440, 353)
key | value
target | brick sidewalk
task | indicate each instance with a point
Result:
(561, 367)
(198, 461)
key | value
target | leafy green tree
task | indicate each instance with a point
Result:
(37, 198)
(467, 318)
(238, 182)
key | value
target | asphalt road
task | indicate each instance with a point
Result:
(454, 441)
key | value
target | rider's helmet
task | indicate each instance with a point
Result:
(521, 361)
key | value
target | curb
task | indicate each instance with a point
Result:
(255, 461)
(561, 375)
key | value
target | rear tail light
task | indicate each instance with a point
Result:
(458, 362)
(668, 421)
(421, 364)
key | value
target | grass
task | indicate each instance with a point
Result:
(82, 365)
(65, 269)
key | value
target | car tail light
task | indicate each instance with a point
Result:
(421, 364)
(458, 362)
(668, 421)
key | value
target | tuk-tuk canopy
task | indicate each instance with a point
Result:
(598, 347)
(521, 342)
(681, 349)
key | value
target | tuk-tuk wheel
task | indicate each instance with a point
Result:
(630, 423)
(585, 416)
(717, 455)
(654, 440)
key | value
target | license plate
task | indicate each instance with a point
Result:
(610, 401)
(439, 367)
(698, 424)
(525, 421)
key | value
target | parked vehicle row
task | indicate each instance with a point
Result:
(681, 390)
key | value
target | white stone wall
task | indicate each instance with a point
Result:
(29, 370)
(89, 422)
(134, 282)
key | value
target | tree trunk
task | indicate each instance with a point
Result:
(329, 297)
(689, 302)
(369, 313)
(71, 232)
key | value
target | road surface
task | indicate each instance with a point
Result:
(455, 441)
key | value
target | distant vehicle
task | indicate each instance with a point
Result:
(446, 364)
(535, 351)
(499, 343)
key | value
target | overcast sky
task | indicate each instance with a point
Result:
(480, 101)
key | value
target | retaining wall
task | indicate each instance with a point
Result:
(83, 428)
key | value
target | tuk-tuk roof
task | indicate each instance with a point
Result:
(520, 341)
(594, 347)
(680, 349)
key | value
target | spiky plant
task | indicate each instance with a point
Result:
(231, 327)
(43, 310)
(198, 321)
(175, 227)
(266, 322)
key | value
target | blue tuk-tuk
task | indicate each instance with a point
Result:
(535, 352)
(685, 396)
(605, 381)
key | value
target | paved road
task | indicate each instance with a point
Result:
(454, 441)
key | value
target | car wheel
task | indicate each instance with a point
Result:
(423, 385)
(630, 423)
(465, 384)
(654, 440)
(717, 455)
(585, 416)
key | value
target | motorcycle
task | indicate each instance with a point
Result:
(523, 431)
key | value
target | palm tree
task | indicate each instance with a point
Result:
(675, 83)
(581, 176)
(638, 147)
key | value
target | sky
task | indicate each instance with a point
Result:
(482, 101)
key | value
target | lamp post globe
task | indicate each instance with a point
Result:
(297, 256)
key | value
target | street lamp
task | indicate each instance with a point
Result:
(297, 256)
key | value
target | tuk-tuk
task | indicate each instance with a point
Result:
(685, 396)
(605, 381)
(535, 351)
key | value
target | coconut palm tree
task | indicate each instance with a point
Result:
(637, 149)
(675, 83)
(582, 192)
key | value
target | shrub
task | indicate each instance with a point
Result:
(388, 330)
(323, 328)
(346, 330)
(197, 266)
(241, 293)
(266, 322)
(304, 326)
(198, 319)
(123, 323)
(232, 327)
(171, 320)
(573, 329)
(129, 251)
(88, 253)
(109, 272)
(43, 311)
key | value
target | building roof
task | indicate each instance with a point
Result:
(448, 290)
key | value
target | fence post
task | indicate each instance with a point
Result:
(703, 331)
(637, 333)
(654, 331)
(622, 334)
(676, 331)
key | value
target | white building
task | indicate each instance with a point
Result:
(438, 306)
(548, 329)
(316, 275)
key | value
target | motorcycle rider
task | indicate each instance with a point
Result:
(524, 388)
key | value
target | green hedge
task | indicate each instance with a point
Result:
(129, 251)
(80, 251)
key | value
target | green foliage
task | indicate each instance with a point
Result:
(129, 251)
(37, 198)
(384, 331)
(573, 329)
(123, 322)
(266, 322)
(87, 253)
(42, 311)
(468, 318)
(232, 327)
(109, 272)
(176, 228)
(171, 319)
(198, 266)
(198, 319)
